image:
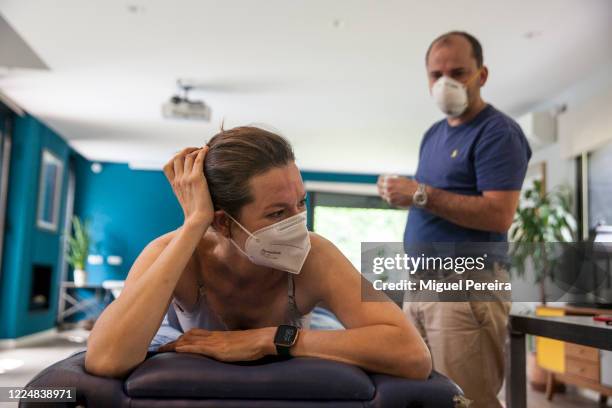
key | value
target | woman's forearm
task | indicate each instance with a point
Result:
(380, 348)
(122, 333)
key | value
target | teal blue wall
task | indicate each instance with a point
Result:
(127, 209)
(339, 177)
(24, 243)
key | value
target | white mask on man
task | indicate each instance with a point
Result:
(451, 95)
(283, 245)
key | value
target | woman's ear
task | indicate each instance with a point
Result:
(221, 223)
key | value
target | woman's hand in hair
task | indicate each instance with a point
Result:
(232, 345)
(185, 172)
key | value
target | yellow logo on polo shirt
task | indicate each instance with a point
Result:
(454, 153)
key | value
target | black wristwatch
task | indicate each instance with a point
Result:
(285, 337)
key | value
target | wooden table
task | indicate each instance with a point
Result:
(574, 329)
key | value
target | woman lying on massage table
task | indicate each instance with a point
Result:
(242, 273)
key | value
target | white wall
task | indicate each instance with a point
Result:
(585, 122)
(559, 171)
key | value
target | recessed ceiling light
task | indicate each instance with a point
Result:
(531, 34)
(136, 8)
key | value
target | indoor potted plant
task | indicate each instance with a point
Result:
(78, 250)
(541, 219)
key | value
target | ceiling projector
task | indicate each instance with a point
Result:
(181, 107)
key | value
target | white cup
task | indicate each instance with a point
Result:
(385, 177)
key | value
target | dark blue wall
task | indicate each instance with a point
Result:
(24, 243)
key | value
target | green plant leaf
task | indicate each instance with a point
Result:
(78, 243)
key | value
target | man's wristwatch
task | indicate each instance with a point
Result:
(419, 198)
(285, 337)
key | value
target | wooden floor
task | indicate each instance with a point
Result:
(571, 398)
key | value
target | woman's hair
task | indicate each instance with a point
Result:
(234, 156)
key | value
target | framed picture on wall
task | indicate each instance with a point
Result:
(49, 191)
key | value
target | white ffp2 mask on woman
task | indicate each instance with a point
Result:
(283, 245)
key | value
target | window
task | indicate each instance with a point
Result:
(348, 219)
(600, 187)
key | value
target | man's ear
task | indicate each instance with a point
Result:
(484, 75)
(221, 223)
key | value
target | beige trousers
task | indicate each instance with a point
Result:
(466, 341)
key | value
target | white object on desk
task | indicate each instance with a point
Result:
(80, 277)
(115, 286)
(114, 260)
(95, 259)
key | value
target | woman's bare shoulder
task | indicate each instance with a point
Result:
(323, 255)
(324, 267)
(321, 247)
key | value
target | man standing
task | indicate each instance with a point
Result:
(466, 189)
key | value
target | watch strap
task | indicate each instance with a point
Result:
(283, 351)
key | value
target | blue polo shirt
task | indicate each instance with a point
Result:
(488, 153)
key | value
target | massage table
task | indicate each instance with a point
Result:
(191, 380)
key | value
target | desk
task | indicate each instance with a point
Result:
(91, 306)
(581, 330)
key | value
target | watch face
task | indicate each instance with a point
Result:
(419, 198)
(285, 335)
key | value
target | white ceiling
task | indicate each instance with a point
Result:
(344, 80)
